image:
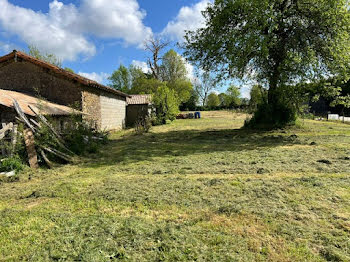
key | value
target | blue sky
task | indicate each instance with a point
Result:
(93, 37)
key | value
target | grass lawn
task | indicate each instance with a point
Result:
(194, 190)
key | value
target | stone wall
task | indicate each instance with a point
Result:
(34, 80)
(92, 107)
(113, 111)
(103, 110)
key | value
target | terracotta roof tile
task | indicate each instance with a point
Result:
(139, 100)
(39, 106)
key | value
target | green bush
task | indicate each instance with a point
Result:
(80, 138)
(272, 116)
(11, 164)
(166, 103)
(143, 125)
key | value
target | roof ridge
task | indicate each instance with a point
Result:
(74, 76)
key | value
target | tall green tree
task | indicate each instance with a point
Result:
(173, 71)
(223, 99)
(233, 98)
(277, 42)
(183, 89)
(173, 67)
(213, 100)
(166, 103)
(191, 103)
(258, 95)
(146, 85)
(121, 79)
(47, 57)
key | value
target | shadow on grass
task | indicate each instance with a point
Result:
(135, 148)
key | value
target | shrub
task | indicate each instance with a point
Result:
(82, 138)
(166, 103)
(272, 116)
(10, 164)
(289, 103)
(143, 125)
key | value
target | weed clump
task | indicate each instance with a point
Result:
(11, 164)
(143, 125)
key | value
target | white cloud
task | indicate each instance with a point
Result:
(98, 77)
(189, 18)
(142, 65)
(64, 30)
(190, 71)
(245, 91)
(115, 19)
(44, 30)
(5, 47)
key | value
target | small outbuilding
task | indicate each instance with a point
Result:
(26, 78)
(138, 107)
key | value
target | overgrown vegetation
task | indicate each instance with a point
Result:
(52, 144)
(143, 125)
(13, 163)
(166, 103)
(192, 190)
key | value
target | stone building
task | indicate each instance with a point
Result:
(102, 106)
(138, 107)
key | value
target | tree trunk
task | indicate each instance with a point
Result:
(272, 92)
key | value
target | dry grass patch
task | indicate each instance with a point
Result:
(194, 190)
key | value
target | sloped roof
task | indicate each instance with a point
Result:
(39, 106)
(59, 71)
(139, 100)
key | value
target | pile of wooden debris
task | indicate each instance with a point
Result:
(9, 133)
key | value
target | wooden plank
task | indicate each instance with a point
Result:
(58, 154)
(58, 138)
(35, 123)
(3, 152)
(22, 115)
(46, 159)
(14, 139)
(30, 146)
(4, 130)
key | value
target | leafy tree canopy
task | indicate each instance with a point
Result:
(233, 96)
(257, 97)
(183, 89)
(166, 103)
(213, 100)
(173, 67)
(173, 71)
(121, 79)
(143, 85)
(191, 103)
(277, 42)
